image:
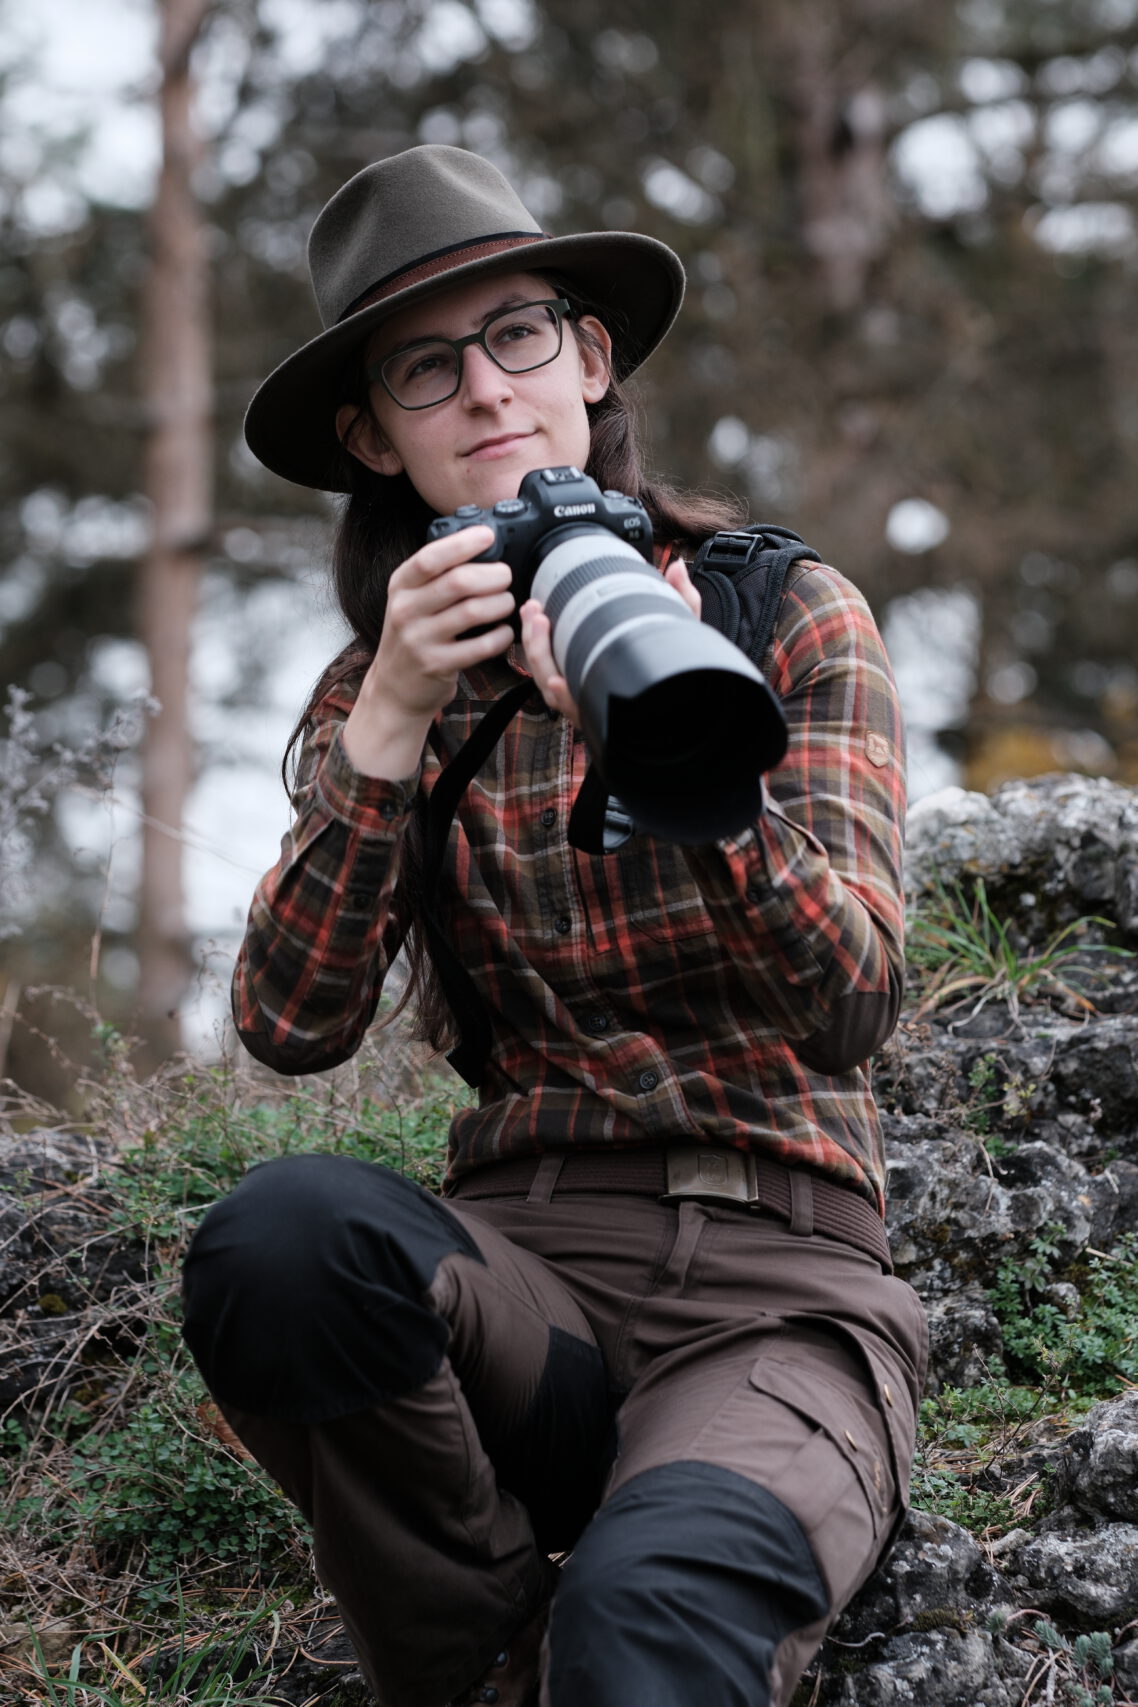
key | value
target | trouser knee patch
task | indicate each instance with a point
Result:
(681, 1590)
(303, 1289)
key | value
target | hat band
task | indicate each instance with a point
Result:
(441, 261)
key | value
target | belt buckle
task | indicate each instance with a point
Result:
(710, 1173)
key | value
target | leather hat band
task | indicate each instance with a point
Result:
(442, 262)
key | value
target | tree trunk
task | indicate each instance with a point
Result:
(177, 397)
(838, 128)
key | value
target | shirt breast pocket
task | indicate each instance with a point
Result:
(659, 897)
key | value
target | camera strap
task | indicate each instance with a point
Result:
(471, 1052)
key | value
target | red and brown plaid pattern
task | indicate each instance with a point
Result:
(651, 995)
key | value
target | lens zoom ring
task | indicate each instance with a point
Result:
(604, 621)
(597, 567)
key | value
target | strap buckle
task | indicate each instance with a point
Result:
(731, 551)
(711, 1173)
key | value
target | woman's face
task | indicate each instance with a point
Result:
(475, 447)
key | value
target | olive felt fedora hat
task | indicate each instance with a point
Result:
(419, 222)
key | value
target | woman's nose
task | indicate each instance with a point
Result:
(484, 383)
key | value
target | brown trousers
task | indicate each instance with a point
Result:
(728, 1341)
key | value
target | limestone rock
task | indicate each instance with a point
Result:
(1089, 1579)
(1052, 849)
(1098, 1470)
(936, 1573)
(932, 1668)
(1126, 1667)
(951, 1218)
(917, 1633)
(59, 1256)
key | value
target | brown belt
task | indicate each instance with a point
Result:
(709, 1173)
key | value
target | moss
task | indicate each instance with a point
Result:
(943, 1618)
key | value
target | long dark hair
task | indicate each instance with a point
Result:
(384, 520)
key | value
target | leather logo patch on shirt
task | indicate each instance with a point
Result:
(876, 749)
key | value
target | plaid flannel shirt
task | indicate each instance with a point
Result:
(730, 993)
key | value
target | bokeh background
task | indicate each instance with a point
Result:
(910, 334)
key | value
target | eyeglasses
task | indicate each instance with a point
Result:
(517, 340)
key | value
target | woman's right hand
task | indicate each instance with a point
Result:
(433, 597)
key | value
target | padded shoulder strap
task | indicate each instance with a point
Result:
(741, 575)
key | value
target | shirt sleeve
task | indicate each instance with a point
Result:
(808, 902)
(321, 933)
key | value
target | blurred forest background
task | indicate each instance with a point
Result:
(910, 334)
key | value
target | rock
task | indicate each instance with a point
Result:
(323, 1668)
(966, 1343)
(935, 1573)
(1126, 1667)
(1070, 1083)
(55, 1639)
(60, 1256)
(1098, 1470)
(917, 1631)
(1096, 1074)
(1088, 1579)
(934, 1668)
(1051, 850)
(952, 1216)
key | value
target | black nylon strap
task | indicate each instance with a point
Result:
(586, 829)
(721, 564)
(471, 1052)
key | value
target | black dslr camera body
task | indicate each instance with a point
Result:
(551, 504)
(679, 722)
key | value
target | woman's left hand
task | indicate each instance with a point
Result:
(537, 643)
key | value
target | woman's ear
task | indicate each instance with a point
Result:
(358, 433)
(596, 358)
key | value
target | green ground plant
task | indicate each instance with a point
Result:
(1075, 1672)
(963, 951)
(1083, 1337)
(156, 1496)
(190, 1671)
(967, 1449)
(175, 1169)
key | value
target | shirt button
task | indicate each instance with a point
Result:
(388, 811)
(597, 1022)
(752, 895)
(549, 817)
(648, 1081)
(562, 925)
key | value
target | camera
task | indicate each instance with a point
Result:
(679, 722)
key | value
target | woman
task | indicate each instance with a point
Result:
(653, 1321)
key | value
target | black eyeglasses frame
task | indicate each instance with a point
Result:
(560, 306)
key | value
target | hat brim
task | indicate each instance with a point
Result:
(635, 280)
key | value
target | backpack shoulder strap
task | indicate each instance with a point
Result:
(741, 575)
